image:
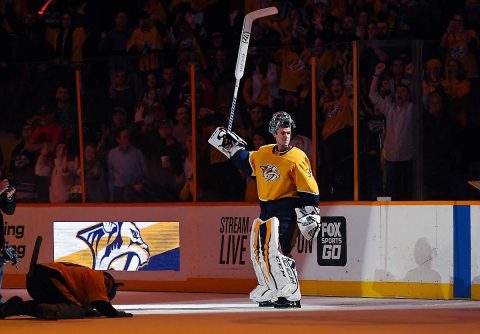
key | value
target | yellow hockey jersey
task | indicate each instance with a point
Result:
(281, 175)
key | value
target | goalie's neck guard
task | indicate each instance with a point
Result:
(276, 151)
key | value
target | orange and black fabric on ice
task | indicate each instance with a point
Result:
(65, 282)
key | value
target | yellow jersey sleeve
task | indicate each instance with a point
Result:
(303, 176)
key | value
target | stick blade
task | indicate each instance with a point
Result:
(261, 13)
(245, 37)
(475, 184)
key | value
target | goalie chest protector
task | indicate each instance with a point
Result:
(281, 175)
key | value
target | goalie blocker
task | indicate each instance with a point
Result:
(227, 142)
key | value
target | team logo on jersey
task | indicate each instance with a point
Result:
(270, 172)
(309, 172)
(116, 245)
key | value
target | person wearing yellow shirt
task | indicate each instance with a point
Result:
(146, 41)
(67, 41)
(288, 195)
(337, 135)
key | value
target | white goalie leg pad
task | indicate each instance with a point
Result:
(290, 291)
(285, 274)
(227, 142)
(281, 268)
(262, 292)
(308, 221)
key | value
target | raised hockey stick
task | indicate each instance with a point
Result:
(242, 53)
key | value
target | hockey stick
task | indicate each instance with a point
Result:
(36, 251)
(242, 52)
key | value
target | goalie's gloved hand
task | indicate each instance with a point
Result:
(227, 142)
(308, 220)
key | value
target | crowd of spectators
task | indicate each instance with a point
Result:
(134, 57)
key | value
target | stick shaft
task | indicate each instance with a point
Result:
(36, 251)
(242, 53)
(234, 104)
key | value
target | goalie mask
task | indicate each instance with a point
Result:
(279, 120)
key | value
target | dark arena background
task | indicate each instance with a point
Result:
(384, 95)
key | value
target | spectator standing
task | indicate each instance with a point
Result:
(66, 115)
(432, 80)
(458, 88)
(293, 59)
(142, 132)
(31, 44)
(152, 92)
(164, 176)
(183, 127)
(114, 42)
(108, 132)
(399, 137)
(121, 94)
(67, 41)
(324, 61)
(337, 135)
(46, 131)
(348, 31)
(95, 180)
(171, 147)
(126, 170)
(146, 42)
(437, 148)
(65, 112)
(257, 119)
(460, 45)
(169, 89)
(60, 171)
(256, 88)
(22, 167)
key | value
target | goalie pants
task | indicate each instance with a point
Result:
(284, 210)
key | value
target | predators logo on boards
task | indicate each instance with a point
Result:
(270, 172)
(130, 246)
(123, 249)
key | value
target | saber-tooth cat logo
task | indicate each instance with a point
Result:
(270, 172)
(116, 245)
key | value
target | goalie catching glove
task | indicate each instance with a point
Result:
(308, 220)
(227, 142)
